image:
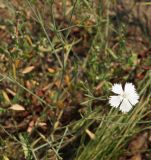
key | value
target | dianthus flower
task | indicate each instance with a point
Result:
(125, 99)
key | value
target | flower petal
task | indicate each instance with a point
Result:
(131, 93)
(129, 88)
(133, 98)
(115, 101)
(125, 106)
(117, 88)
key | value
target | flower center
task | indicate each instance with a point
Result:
(124, 95)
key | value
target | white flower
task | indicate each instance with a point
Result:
(124, 99)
